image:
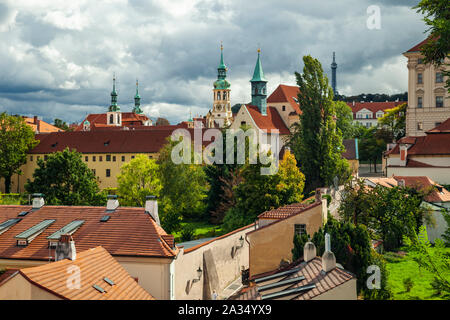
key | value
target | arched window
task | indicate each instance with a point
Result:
(224, 95)
(283, 108)
(111, 119)
(218, 95)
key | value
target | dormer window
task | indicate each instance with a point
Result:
(24, 238)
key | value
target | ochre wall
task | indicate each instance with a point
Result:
(18, 288)
(272, 243)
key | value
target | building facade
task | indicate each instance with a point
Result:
(428, 99)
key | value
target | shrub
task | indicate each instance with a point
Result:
(187, 234)
(408, 284)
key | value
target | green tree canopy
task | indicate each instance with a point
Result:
(65, 179)
(315, 142)
(344, 119)
(394, 120)
(16, 139)
(137, 179)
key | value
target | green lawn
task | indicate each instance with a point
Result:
(202, 230)
(401, 267)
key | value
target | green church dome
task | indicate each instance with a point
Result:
(221, 84)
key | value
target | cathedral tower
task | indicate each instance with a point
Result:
(259, 82)
(137, 101)
(114, 116)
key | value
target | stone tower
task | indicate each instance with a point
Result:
(259, 92)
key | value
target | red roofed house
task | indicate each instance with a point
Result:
(272, 240)
(40, 126)
(428, 99)
(29, 237)
(427, 155)
(284, 99)
(438, 199)
(367, 113)
(260, 116)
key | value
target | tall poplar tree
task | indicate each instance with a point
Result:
(315, 142)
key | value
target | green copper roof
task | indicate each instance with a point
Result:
(258, 74)
(221, 84)
(222, 64)
(137, 90)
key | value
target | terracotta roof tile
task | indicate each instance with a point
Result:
(271, 121)
(374, 107)
(444, 127)
(95, 264)
(350, 149)
(431, 144)
(129, 232)
(283, 212)
(44, 127)
(285, 93)
(99, 120)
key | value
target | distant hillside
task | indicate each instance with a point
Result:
(375, 97)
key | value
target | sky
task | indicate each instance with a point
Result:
(57, 58)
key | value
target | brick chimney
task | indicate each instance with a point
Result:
(151, 207)
(35, 120)
(65, 249)
(309, 251)
(403, 154)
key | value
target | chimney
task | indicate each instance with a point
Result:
(309, 251)
(328, 258)
(353, 102)
(112, 203)
(38, 201)
(403, 154)
(318, 195)
(35, 120)
(65, 249)
(151, 207)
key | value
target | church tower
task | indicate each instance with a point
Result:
(114, 116)
(221, 113)
(259, 93)
(137, 101)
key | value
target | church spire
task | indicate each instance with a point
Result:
(114, 106)
(259, 82)
(221, 82)
(137, 100)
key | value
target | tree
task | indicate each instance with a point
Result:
(61, 124)
(137, 179)
(394, 120)
(162, 122)
(65, 179)
(258, 193)
(184, 189)
(355, 202)
(446, 235)
(437, 18)
(315, 142)
(372, 143)
(435, 260)
(16, 139)
(344, 119)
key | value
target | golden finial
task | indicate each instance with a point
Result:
(259, 50)
(221, 45)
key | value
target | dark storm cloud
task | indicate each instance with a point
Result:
(57, 59)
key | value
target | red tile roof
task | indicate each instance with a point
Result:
(284, 93)
(444, 127)
(418, 46)
(44, 127)
(431, 144)
(100, 119)
(109, 141)
(312, 271)
(374, 107)
(94, 265)
(283, 212)
(350, 149)
(129, 232)
(271, 121)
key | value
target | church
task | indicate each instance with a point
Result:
(115, 118)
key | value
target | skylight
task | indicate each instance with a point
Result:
(98, 288)
(281, 283)
(27, 236)
(105, 218)
(68, 229)
(108, 281)
(8, 224)
(288, 292)
(277, 275)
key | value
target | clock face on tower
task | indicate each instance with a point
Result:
(219, 107)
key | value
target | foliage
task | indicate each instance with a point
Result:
(258, 193)
(437, 18)
(184, 189)
(385, 291)
(16, 138)
(344, 119)
(315, 142)
(375, 97)
(408, 283)
(13, 199)
(436, 261)
(65, 179)
(299, 245)
(390, 213)
(187, 233)
(446, 235)
(372, 142)
(395, 121)
(62, 125)
(137, 179)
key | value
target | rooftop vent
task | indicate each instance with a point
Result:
(309, 251)
(98, 288)
(112, 204)
(38, 201)
(151, 207)
(328, 258)
(66, 248)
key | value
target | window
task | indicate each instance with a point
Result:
(45, 158)
(123, 158)
(108, 172)
(419, 102)
(38, 157)
(93, 171)
(86, 158)
(420, 61)
(108, 157)
(419, 126)
(132, 157)
(283, 108)
(93, 158)
(100, 158)
(31, 158)
(300, 229)
(111, 119)
(114, 158)
(218, 95)
(419, 78)
(436, 124)
(439, 101)
(439, 77)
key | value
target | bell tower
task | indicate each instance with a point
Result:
(221, 112)
(114, 116)
(259, 83)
